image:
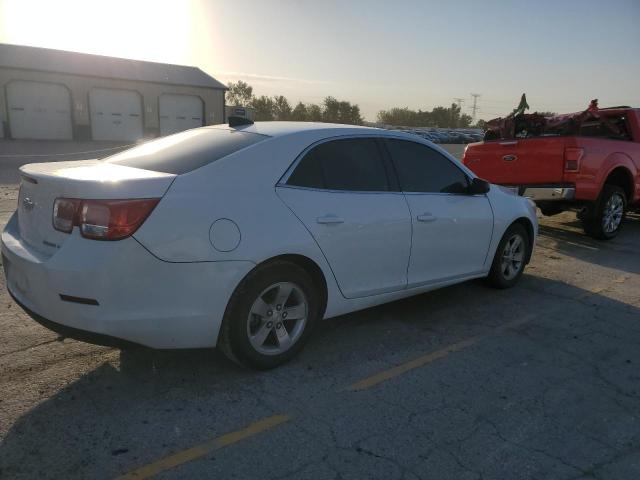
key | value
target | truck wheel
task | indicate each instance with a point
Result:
(608, 214)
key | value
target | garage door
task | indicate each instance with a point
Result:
(39, 110)
(179, 112)
(115, 114)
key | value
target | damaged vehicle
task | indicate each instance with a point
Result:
(587, 161)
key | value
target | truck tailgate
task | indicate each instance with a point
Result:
(518, 162)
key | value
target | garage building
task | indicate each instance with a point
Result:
(59, 95)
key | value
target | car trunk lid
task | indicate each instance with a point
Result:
(42, 183)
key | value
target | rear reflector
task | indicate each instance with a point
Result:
(81, 300)
(572, 157)
(102, 219)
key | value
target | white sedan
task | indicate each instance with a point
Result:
(245, 236)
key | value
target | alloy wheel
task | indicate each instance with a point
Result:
(612, 214)
(277, 318)
(512, 257)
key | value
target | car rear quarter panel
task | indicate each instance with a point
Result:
(241, 188)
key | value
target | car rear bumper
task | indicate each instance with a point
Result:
(117, 292)
(75, 333)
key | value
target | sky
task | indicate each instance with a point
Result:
(378, 54)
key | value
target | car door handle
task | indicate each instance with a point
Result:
(329, 219)
(426, 217)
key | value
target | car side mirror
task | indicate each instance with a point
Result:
(479, 187)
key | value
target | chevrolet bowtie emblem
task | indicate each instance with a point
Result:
(28, 204)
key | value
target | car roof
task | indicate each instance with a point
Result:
(278, 129)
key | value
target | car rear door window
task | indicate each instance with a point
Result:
(352, 164)
(422, 169)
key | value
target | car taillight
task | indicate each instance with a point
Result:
(572, 157)
(64, 214)
(102, 219)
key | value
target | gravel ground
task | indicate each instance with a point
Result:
(537, 382)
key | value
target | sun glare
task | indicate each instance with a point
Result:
(140, 29)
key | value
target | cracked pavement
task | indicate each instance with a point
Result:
(556, 396)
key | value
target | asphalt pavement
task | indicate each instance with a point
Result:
(538, 382)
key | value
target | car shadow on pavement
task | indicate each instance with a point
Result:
(612, 254)
(153, 402)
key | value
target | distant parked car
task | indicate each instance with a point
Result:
(245, 236)
(443, 137)
(455, 137)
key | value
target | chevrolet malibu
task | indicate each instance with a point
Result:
(243, 236)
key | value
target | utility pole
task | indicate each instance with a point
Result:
(474, 109)
(459, 102)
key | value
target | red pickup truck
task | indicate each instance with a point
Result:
(587, 161)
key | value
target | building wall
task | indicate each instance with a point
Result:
(80, 86)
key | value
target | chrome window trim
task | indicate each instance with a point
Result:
(282, 183)
(325, 190)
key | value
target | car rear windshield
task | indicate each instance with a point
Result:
(185, 151)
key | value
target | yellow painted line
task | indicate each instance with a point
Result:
(205, 448)
(403, 368)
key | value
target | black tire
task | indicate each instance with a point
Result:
(498, 278)
(234, 336)
(549, 209)
(594, 224)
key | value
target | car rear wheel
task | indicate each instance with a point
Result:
(608, 214)
(270, 316)
(510, 258)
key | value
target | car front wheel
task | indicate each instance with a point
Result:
(270, 316)
(510, 258)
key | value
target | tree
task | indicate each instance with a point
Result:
(263, 107)
(399, 116)
(465, 121)
(331, 110)
(337, 111)
(281, 108)
(443, 117)
(481, 124)
(240, 94)
(300, 113)
(314, 112)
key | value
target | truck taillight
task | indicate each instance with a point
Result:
(572, 157)
(102, 219)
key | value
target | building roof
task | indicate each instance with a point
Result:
(61, 61)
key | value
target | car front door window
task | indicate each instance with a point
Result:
(340, 190)
(451, 228)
